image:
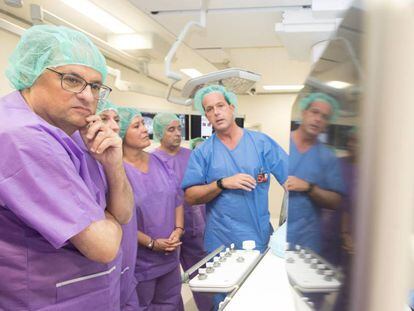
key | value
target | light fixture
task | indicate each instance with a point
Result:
(191, 72)
(14, 3)
(99, 16)
(131, 41)
(283, 88)
(338, 84)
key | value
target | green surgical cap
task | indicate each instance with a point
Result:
(160, 123)
(105, 105)
(201, 93)
(126, 115)
(314, 97)
(195, 141)
(44, 46)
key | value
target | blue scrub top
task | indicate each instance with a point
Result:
(319, 166)
(237, 215)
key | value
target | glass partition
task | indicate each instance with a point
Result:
(323, 172)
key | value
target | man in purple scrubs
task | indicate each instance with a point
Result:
(58, 243)
(167, 130)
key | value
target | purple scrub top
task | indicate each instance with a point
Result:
(194, 215)
(47, 196)
(129, 251)
(156, 197)
(129, 230)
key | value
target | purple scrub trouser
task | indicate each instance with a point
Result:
(162, 293)
(191, 252)
(132, 304)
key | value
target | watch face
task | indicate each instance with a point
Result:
(150, 244)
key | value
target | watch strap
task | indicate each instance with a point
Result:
(311, 186)
(220, 184)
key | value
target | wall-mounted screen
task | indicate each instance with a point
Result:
(336, 135)
(148, 119)
(201, 127)
(240, 122)
(185, 132)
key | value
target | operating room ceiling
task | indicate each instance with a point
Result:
(238, 34)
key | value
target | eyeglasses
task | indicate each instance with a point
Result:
(75, 84)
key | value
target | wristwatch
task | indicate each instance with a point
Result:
(220, 184)
(310, 188)
(151, 244)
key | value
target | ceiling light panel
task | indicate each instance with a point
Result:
(191, 72)
(99, 16)
(338, 84)
(283, 88)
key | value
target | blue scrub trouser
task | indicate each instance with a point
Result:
(217, 298)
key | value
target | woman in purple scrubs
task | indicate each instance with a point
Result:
(160, 218)
(129, 299)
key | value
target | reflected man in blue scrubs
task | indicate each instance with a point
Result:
(230, 172)
(315, 180)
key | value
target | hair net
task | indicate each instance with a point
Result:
(199, 96)
(126, 115)
(313, 97)
(195, 141)
(45, 46)
(105, 105)
(160, 123)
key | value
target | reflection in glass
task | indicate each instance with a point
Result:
(322, 172)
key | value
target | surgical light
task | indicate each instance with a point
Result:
(236, 80)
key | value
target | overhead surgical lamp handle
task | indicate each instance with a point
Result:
(171, 53)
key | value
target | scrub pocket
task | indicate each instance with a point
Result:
(85, 285)
(13, 287)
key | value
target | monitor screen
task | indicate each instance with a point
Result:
(240, 122)
(336, 135)
(148, 119)
(185, 131)
(200, 127)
